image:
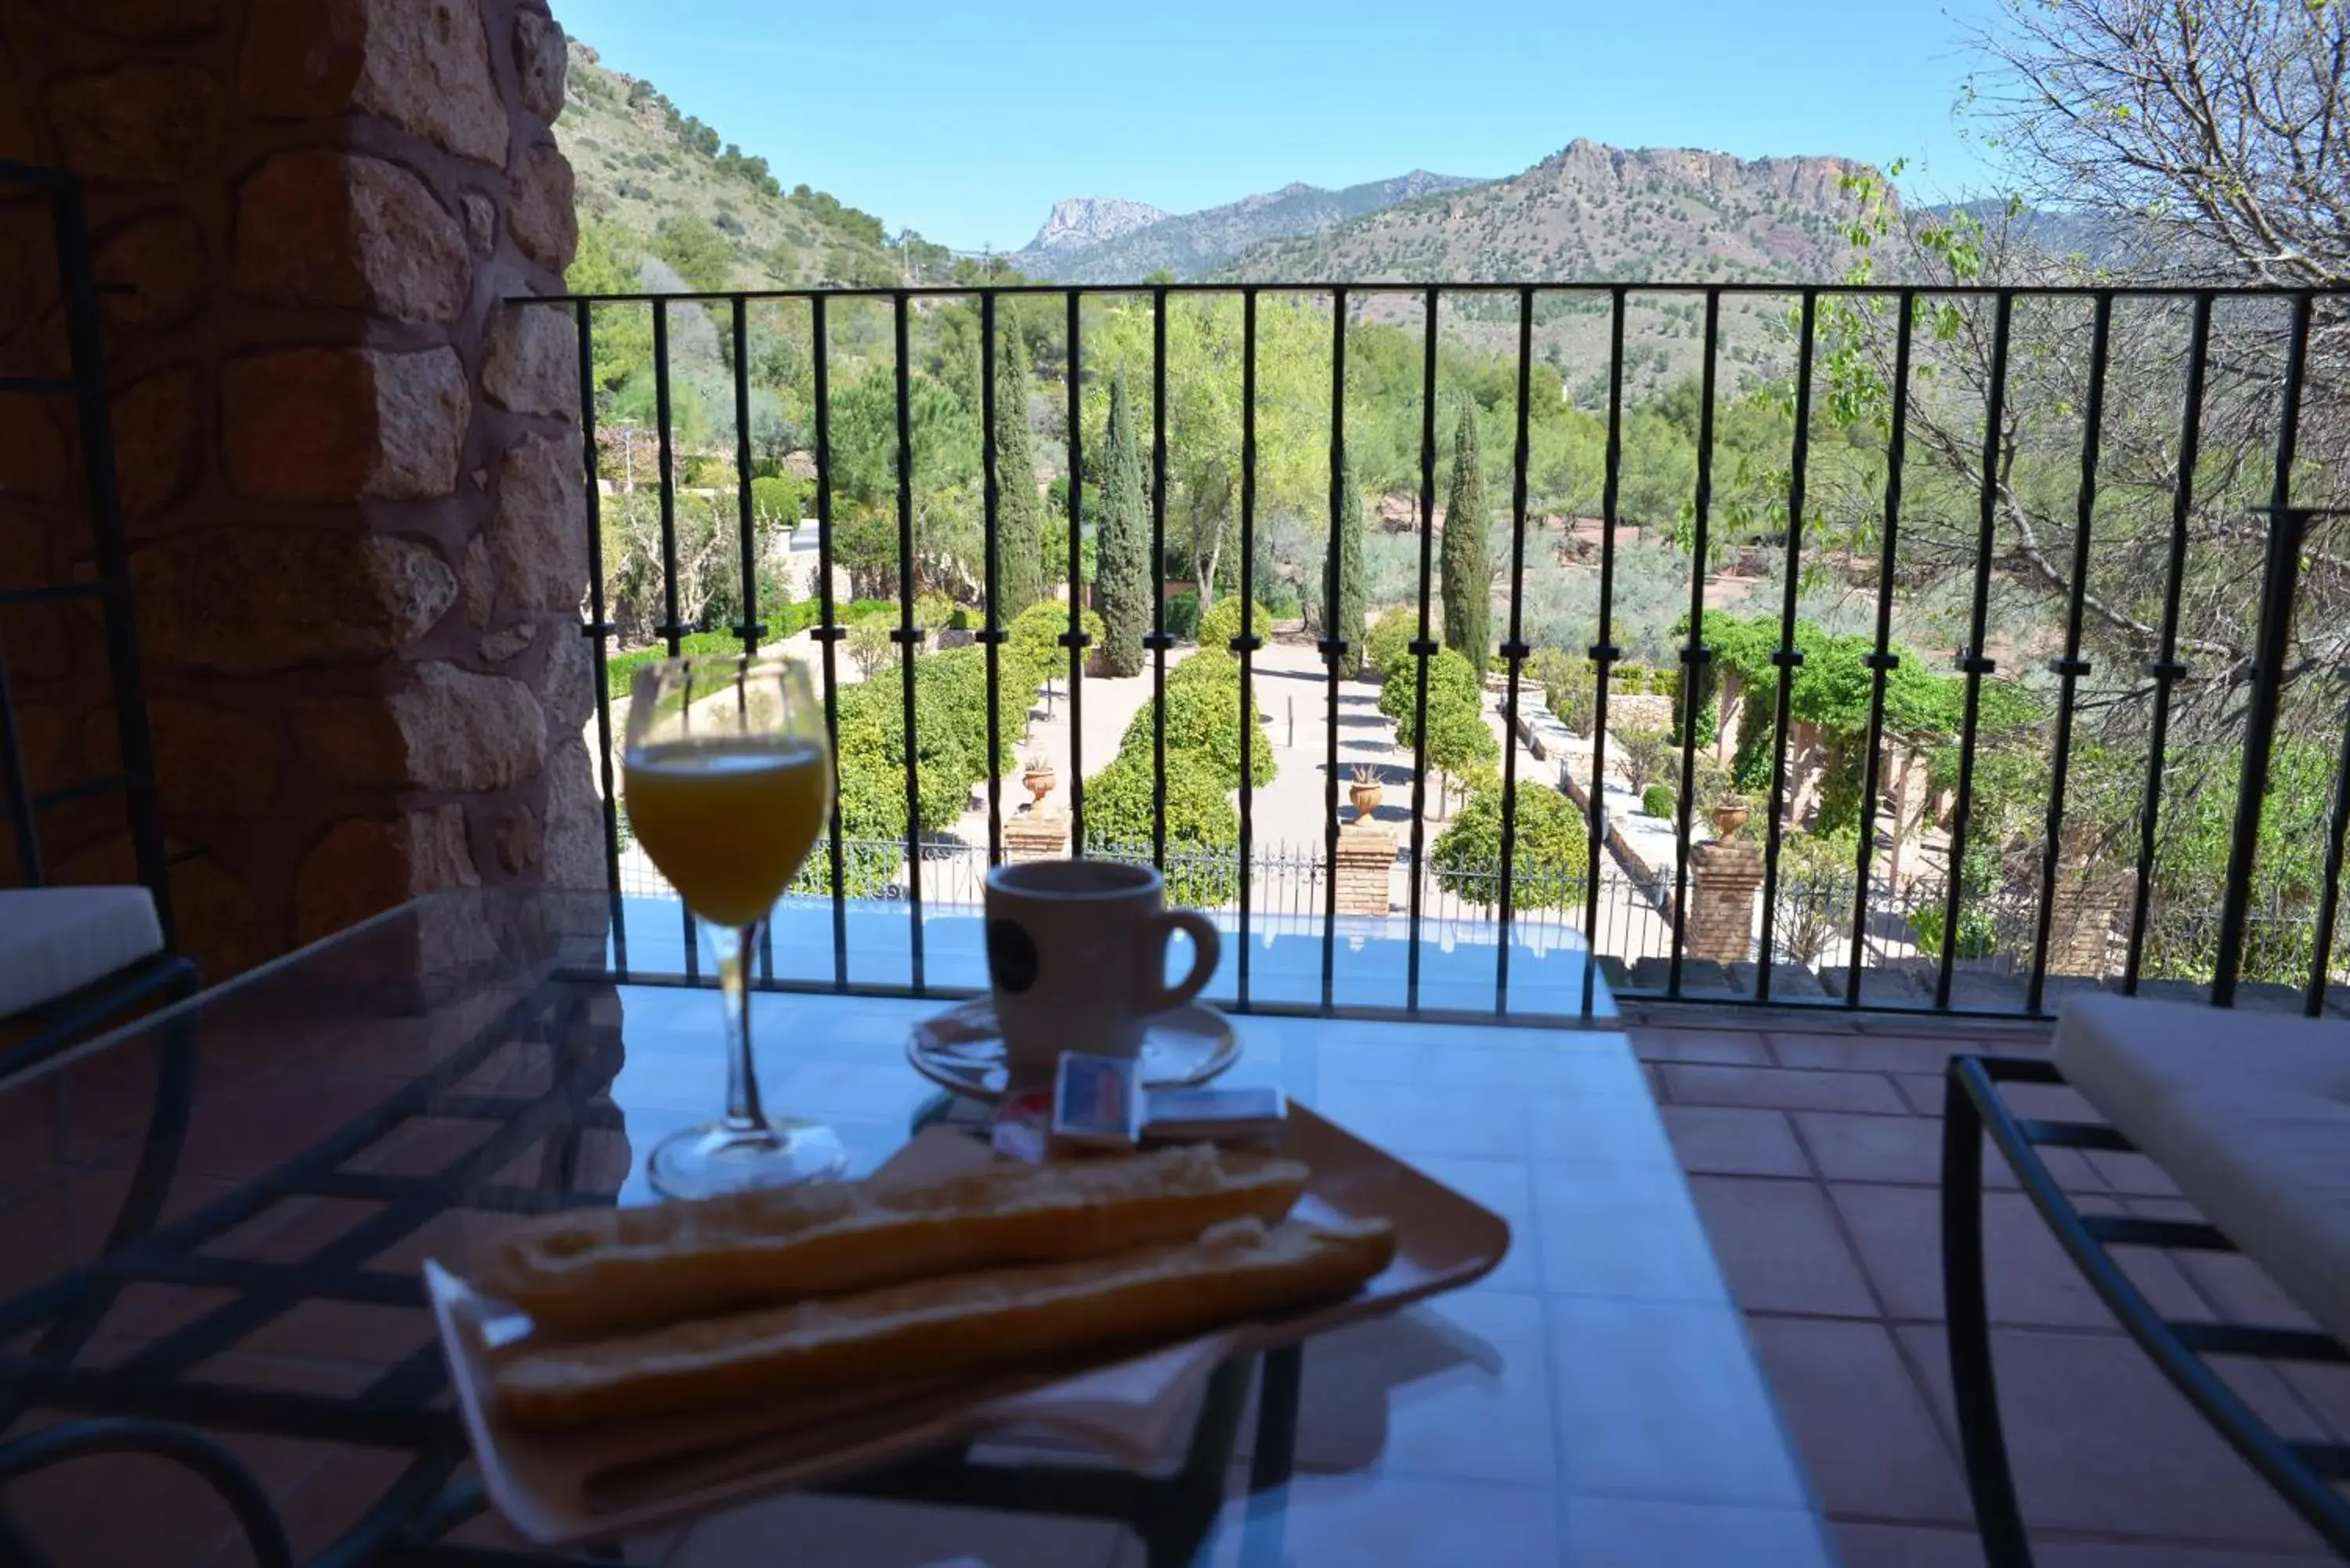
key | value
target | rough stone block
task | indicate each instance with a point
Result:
(538, 535)
(32, 457)
(530, 363)
(146, 120)
(507, 642)
(522, 840)
(539, 209)
(540, 51)
(481, 215)
(150, 18)
(446, 728)
(161, 263)
(327, 228)
(423, 65)
(250, 600)
(574, 847)
(477, 582)
(209, 760)
(158, 437)
(570, 693)
(335, 424)
(364, 865)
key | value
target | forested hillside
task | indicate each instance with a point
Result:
(656, 183)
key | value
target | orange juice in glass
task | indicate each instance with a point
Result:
(728, 781)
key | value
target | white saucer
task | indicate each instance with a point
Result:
(960, 1050)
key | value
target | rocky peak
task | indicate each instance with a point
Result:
(1091, 220)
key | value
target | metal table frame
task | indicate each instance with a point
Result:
(149, 1404)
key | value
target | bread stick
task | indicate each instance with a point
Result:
(595, 1271)
(959, 1323)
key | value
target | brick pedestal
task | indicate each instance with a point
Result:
(1725, 877)
(1037, 835)
(1367, 853)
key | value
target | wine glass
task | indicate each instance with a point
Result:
(729, 781)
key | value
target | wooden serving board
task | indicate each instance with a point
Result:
(579, 1487)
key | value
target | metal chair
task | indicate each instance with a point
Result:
(73, 958)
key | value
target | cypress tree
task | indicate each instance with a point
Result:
(1347, 623)
(1122, 546)
(1468, 571)
(1020, 523)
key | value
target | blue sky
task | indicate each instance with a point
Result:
(967, 119)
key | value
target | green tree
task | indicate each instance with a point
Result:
(1468, 570)
(1122, 580)
(1203, 831)
(1347, 623)
(1548, 865)
(1204, 717)
(1020, 523)
(699, 254)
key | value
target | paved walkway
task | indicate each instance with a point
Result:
(1813, 1159)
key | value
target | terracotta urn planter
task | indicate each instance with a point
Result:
(1040, 779)
(1729, 816)
(1367, 798)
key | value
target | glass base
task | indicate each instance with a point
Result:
(705, 1161)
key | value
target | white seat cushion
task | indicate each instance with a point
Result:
(2248, 1113)
(57, 940)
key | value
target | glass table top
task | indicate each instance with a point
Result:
(214, 1218)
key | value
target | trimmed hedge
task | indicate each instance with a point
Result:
(1203, 831)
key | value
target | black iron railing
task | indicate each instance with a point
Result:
(1933, 358)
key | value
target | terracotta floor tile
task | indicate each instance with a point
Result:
(1898, 1231)
(1721, 1046)
(1735, 1140)
(1640, 1533)
(1907, 1151)
(1779, 1247)
(1780, 1088)
(1923, 1091)
(1868, 1434)
(811, 1531)
(2101, 1442)
(1865, 1053)
(2144, 1553)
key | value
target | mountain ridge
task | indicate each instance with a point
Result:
(1190, 245)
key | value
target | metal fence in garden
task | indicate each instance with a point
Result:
(1826, 926)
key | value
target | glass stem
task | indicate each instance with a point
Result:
(733, 946)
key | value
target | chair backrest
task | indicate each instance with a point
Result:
(83, 388)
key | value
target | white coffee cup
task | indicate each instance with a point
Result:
(1076, 953)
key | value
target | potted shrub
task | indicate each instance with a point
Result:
(1365, 792)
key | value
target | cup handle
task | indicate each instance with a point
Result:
(1156, 995)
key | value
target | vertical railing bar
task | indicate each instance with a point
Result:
(1336, 650)
(909, 636)
(2285, 530)
(1075, 638)
(1422, 648)
(2165, 668)
(2313, 1002)
(991, 632)
(598, 631)
(749, 630)
(1516, 652)
(1972, 661)
(1788, 658)
(2071, 667)
(1604, 652)
(1160, 640)
(1882, 663)
(29, 870)
(670, 629)
(828, 631)
(1694, 654)
(1245, 643)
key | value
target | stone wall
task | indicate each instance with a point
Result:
(350, 474)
